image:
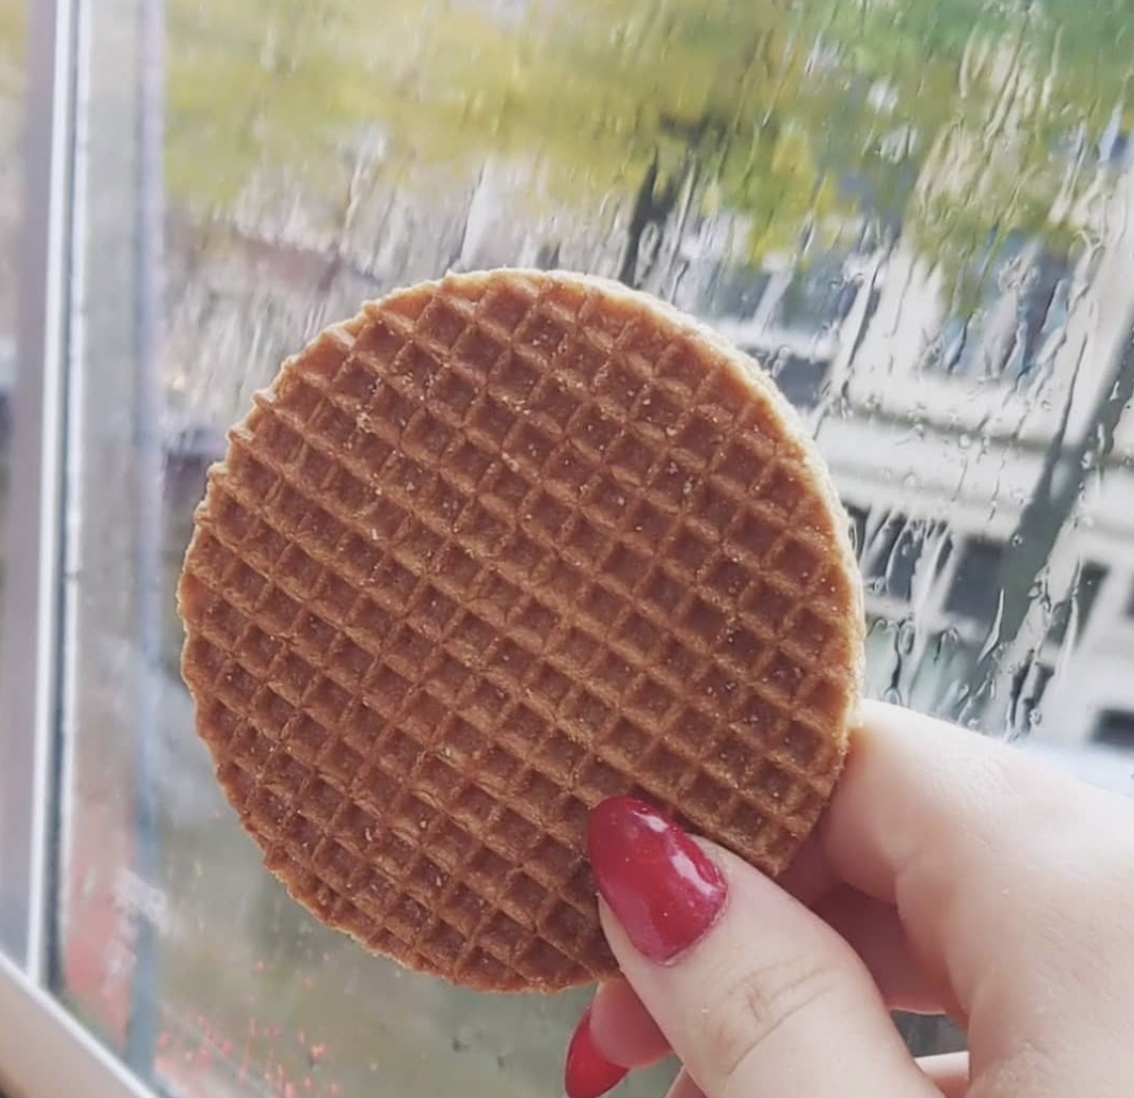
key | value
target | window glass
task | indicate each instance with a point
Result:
(847, 191)
(976, 588)
(1080, 601)
(1017, 314)
(818, 297)
(858, 517)
(898, 554)
(801, 379)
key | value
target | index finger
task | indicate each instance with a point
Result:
(921, 795)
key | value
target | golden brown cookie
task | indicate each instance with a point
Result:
(498, 548)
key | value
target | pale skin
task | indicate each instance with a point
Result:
(950, 874)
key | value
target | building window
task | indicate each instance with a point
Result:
(898, 546)
(975, 592)
(1079, 602)
(1022, 300)
(818, 299)
(799, 377)
(1115, 728)
(896, 551)
(729, 290)
(1130, 602)
(858, 518)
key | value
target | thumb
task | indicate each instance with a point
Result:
(755, 994)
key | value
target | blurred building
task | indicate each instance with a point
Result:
(942, 430)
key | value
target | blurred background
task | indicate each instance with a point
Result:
(915, 213)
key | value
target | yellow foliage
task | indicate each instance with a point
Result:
(716, 93)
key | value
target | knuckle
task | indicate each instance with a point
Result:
(753, 1007)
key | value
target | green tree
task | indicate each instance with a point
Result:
(687, 107)
(674, 108)
(973, 123)
(956, 121)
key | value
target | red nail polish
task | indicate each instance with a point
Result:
(663, 889)
(588, 1074)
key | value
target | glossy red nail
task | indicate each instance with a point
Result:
(588, 1074)
(658, 882)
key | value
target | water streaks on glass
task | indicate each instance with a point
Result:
(915, 214)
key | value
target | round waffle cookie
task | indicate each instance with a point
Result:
(498, 548)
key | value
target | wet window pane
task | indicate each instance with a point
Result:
(859, 516)
(1022, 292)
(937, 684)
(975, 591)
(799, 378)
(729, 291)
(1025, 693)
(915, 215)
(817, 298)
(899, 550)
(1080, 602)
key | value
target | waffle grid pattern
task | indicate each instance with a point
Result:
(496, 552)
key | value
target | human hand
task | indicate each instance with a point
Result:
(950, 873)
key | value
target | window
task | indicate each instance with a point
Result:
(800, 378)
(215, 181)
(818, 298)
(1115, 728)
(940, 680)
(896, 553)
(729, 290)
(1023, 295)
(929, 671)
(975, 592)
(1130, 602)
(20, 340)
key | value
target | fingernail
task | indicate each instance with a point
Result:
(588, 1073)
(658, 882)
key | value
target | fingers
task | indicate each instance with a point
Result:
(972, 878)
(1015, 887)
(684, 1087)
(744, 981)
(810, 876)
(875, 932)
(623, 1030)
(949, 1073)
(587, 1072)
(625, 1034)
